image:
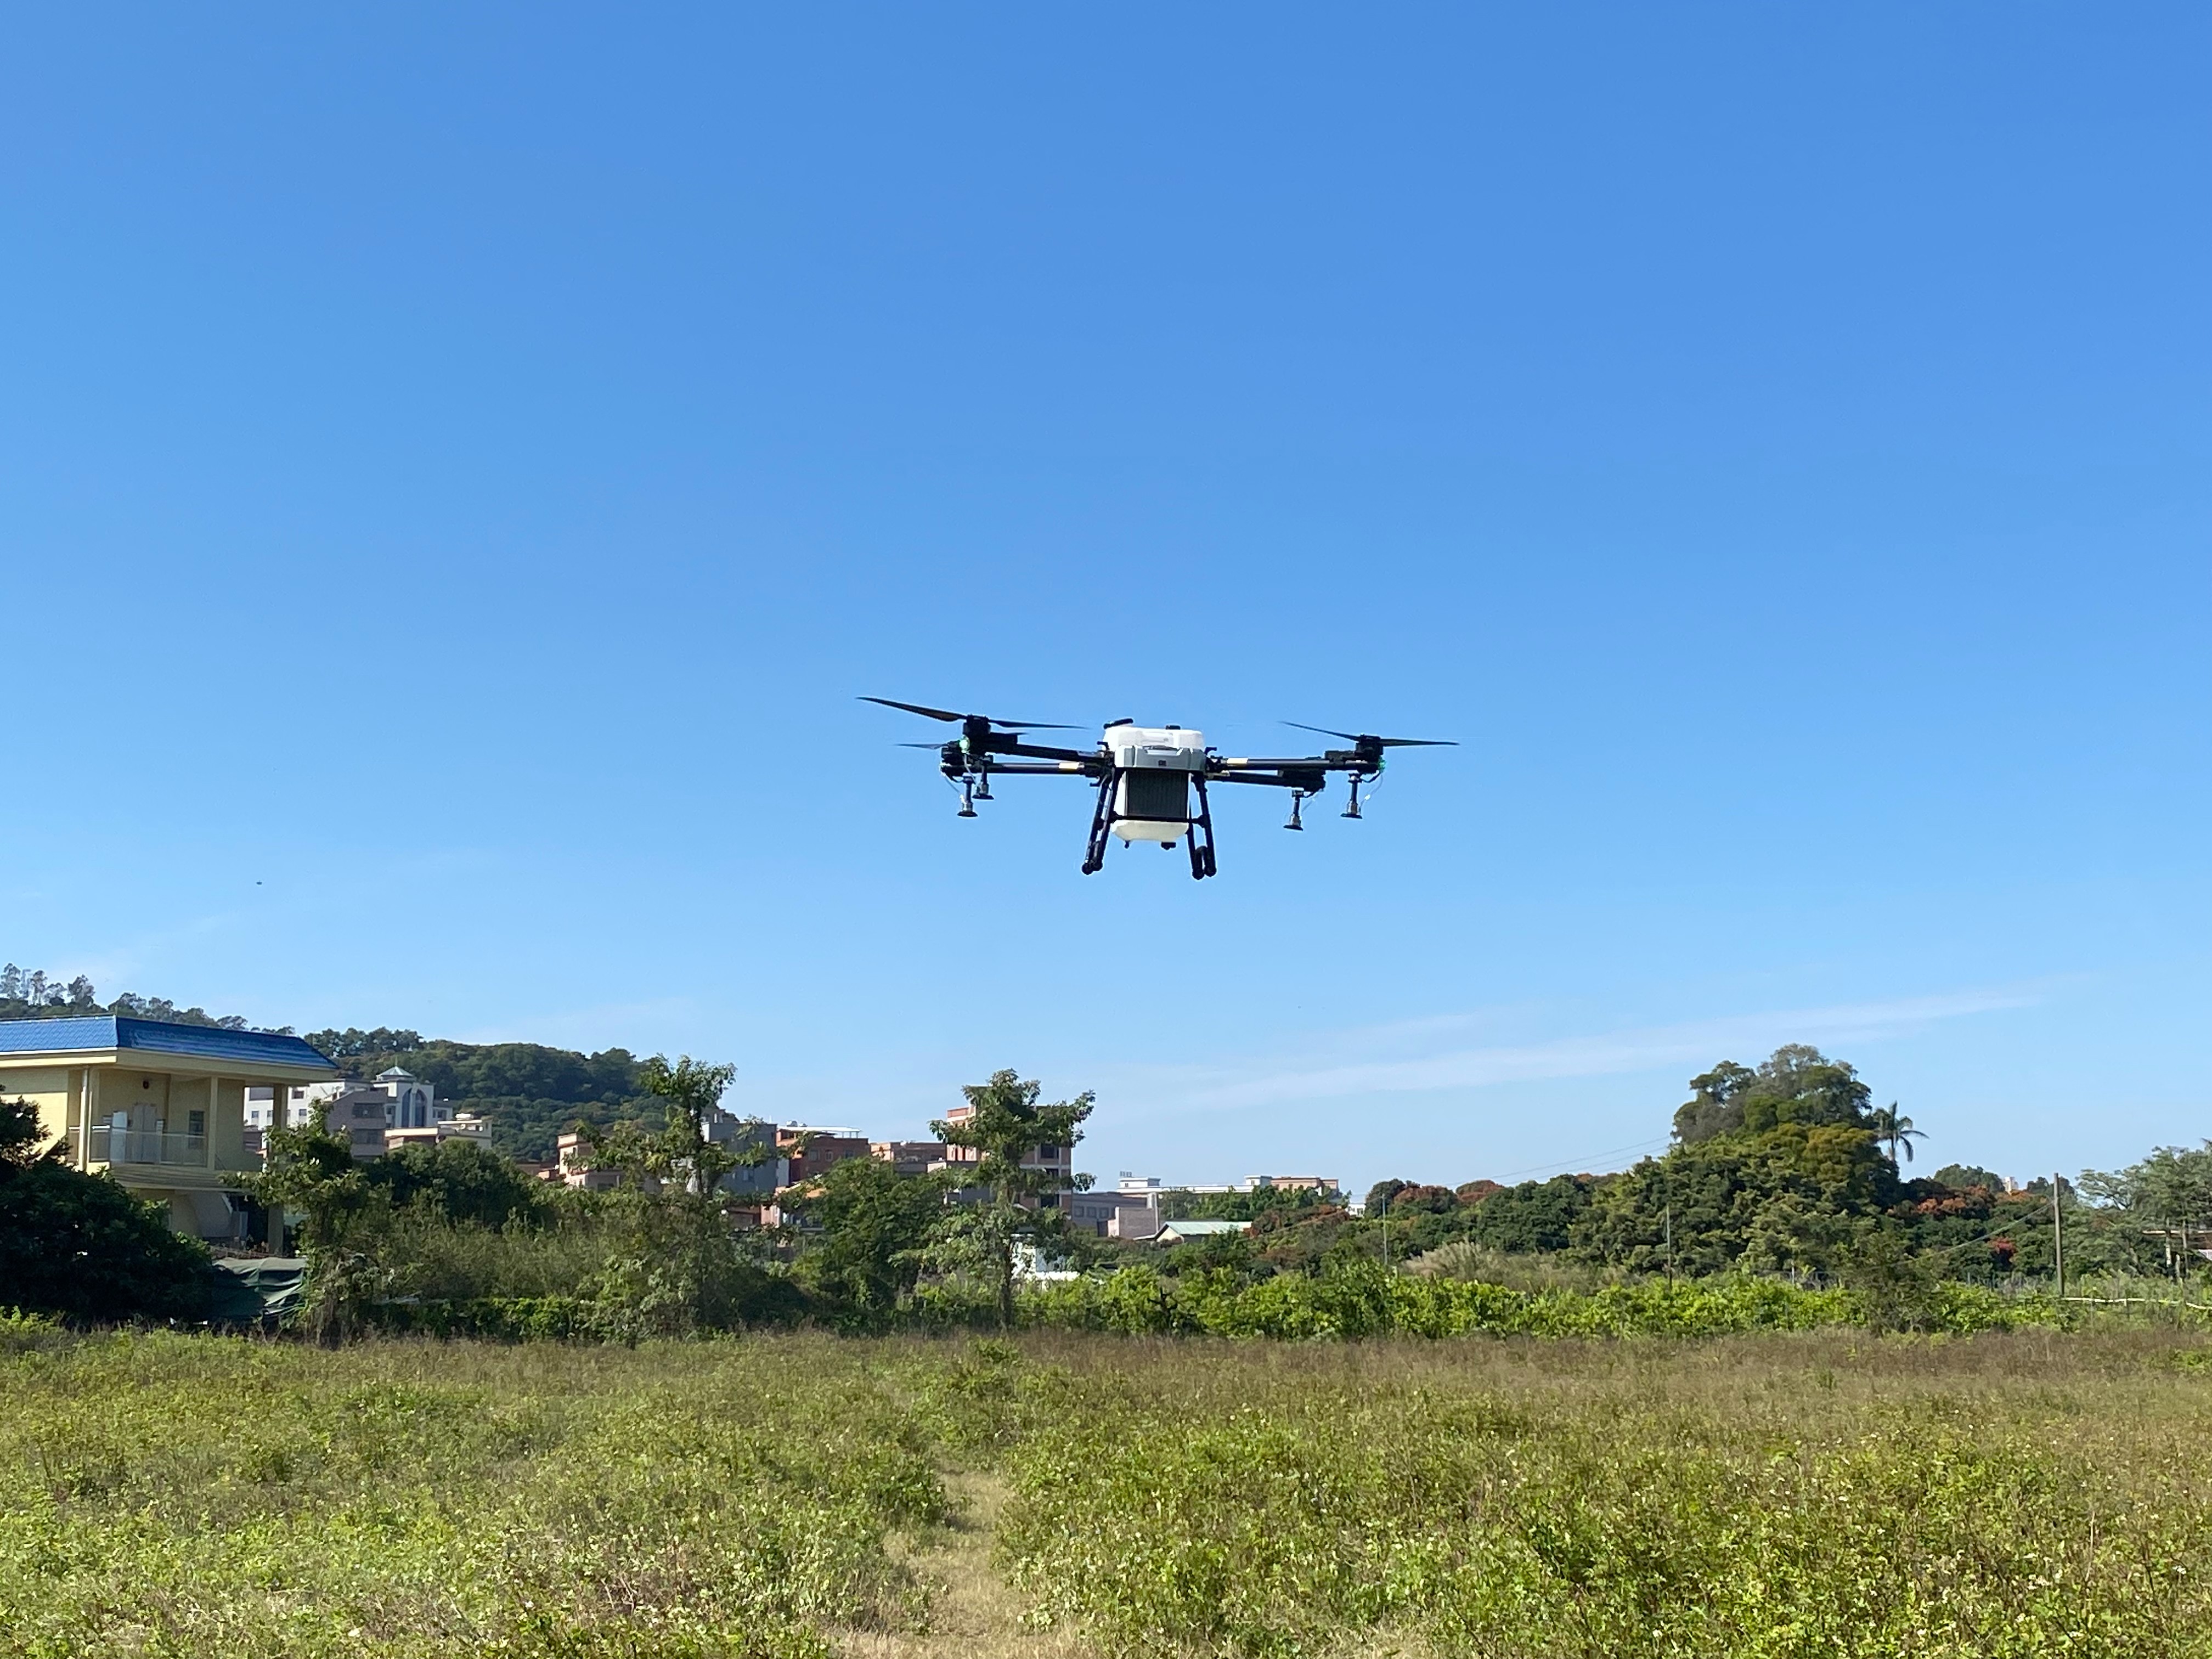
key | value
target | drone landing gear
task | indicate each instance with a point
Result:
(1101, 815)
(1201, 834)
(967, 797)
(1297, 800)
(1352, 811)
(1201, 856)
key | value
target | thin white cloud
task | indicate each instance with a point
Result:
(1602, 1054)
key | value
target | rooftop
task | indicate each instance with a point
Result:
(116, 1031)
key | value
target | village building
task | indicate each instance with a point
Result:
(160, 1106)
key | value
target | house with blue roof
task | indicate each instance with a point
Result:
(160, 1106)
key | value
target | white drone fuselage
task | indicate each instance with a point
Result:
(1153, 767)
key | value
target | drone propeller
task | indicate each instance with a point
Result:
(948, 714)
(1371, 742)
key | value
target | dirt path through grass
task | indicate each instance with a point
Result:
(974, 1612)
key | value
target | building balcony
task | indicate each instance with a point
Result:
(167, 1147)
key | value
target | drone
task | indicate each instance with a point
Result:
(1151, 780)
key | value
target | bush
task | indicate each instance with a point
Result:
(80, 1247)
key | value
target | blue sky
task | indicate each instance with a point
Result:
(459, 467)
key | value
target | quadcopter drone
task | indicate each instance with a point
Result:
(1151, 780)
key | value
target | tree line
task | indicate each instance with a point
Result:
(33, 994)
(1786, 1169)
(1784, 1173)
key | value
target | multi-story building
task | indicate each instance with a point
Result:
(911, 1157)
(410, 1103)
(810, 1151)
(360, 1115)
(457, 1125)
(1109, 1212)
(160, 1106)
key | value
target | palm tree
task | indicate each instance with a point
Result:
(1898, 1131)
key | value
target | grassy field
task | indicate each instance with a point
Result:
(1817, 1493)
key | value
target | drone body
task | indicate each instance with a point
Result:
(1150, 780)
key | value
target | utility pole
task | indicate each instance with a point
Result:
(1382, 1220)
(1670, 1243)
(2058, 1236)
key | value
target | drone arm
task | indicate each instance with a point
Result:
(1056, 770)
(1339, 761)
(1039, 751)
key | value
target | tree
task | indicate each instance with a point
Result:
(1897, 1131)
(876, 1224)
(684, 1266)
(1798, 1084)
(79, 1245)
(1961, 1177)
(1714, 1107)
(311, 1172)
(1005, 1125)
(459, 1182)
(1380, 1194)
(2171, 1187)
(1782, 1201)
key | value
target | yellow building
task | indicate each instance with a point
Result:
(160, 1106)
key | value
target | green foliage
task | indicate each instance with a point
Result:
(1463, 1258)
(311, 1172)
(1181, 1204)
(1005, 1124)
(1782, 1199)
(1355, 1299)
(1753, 1503)
(458, 1181)
(81, 1247)
(1796, 1084)
(679, 1260)
(34, 995)
(2171, 1187)
(185, 1497)
(876, 1225)
(1960, 1177)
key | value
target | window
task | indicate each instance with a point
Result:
(1047, 1153)
(195, 1123)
